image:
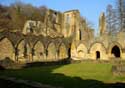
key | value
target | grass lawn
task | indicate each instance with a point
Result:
(86, 74)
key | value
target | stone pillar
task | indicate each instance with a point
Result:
(57, 55)
(123, 54)
(77, 23)
(14, 57)
(46, 54)
(30, 57)
(102, 24)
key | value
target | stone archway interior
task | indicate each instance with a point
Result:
(62, 52)
(6, 49)
(21, 50)
(38, 52)
(51, 52)
(81, 51)
(116, 51)
(98, 51)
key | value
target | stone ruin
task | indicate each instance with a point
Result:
(61, 36)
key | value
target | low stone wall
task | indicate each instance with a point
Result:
(118, 69)
(99, 61)
(8, 64)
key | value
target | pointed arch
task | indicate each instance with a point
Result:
(111, 45)
(38, 52)
(98, 47)
(23, 51)
(6, 49)
(19, 41)
(115, 50)
(51, 55)
(20, 49)
(63, 54)
(81, 51)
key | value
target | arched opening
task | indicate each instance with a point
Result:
(6, 49)
(62, 52)
(51, 56)
(81, 51)
(23, 51)
(98, 51)
(97, 55)
(115, 51)
(38, 54)
(20, 50)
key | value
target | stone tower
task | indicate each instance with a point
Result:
(102, 24)
(71, 24)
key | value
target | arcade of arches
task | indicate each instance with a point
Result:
(42, 52)
(96, 51)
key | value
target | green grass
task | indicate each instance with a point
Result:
(87, 74)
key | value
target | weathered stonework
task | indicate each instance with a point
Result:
(6, 49)
(60, 38)
(102, 24)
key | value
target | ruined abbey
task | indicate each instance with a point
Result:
(61, 36)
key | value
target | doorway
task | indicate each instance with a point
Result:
(97, 55)
(116, 51)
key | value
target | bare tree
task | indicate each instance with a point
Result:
(121, 13)
(5, 19)
(112, 22)
(15, 15)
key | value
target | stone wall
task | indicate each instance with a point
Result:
(60, 37)
(102, 48)
(56, 24)
(30, 48)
